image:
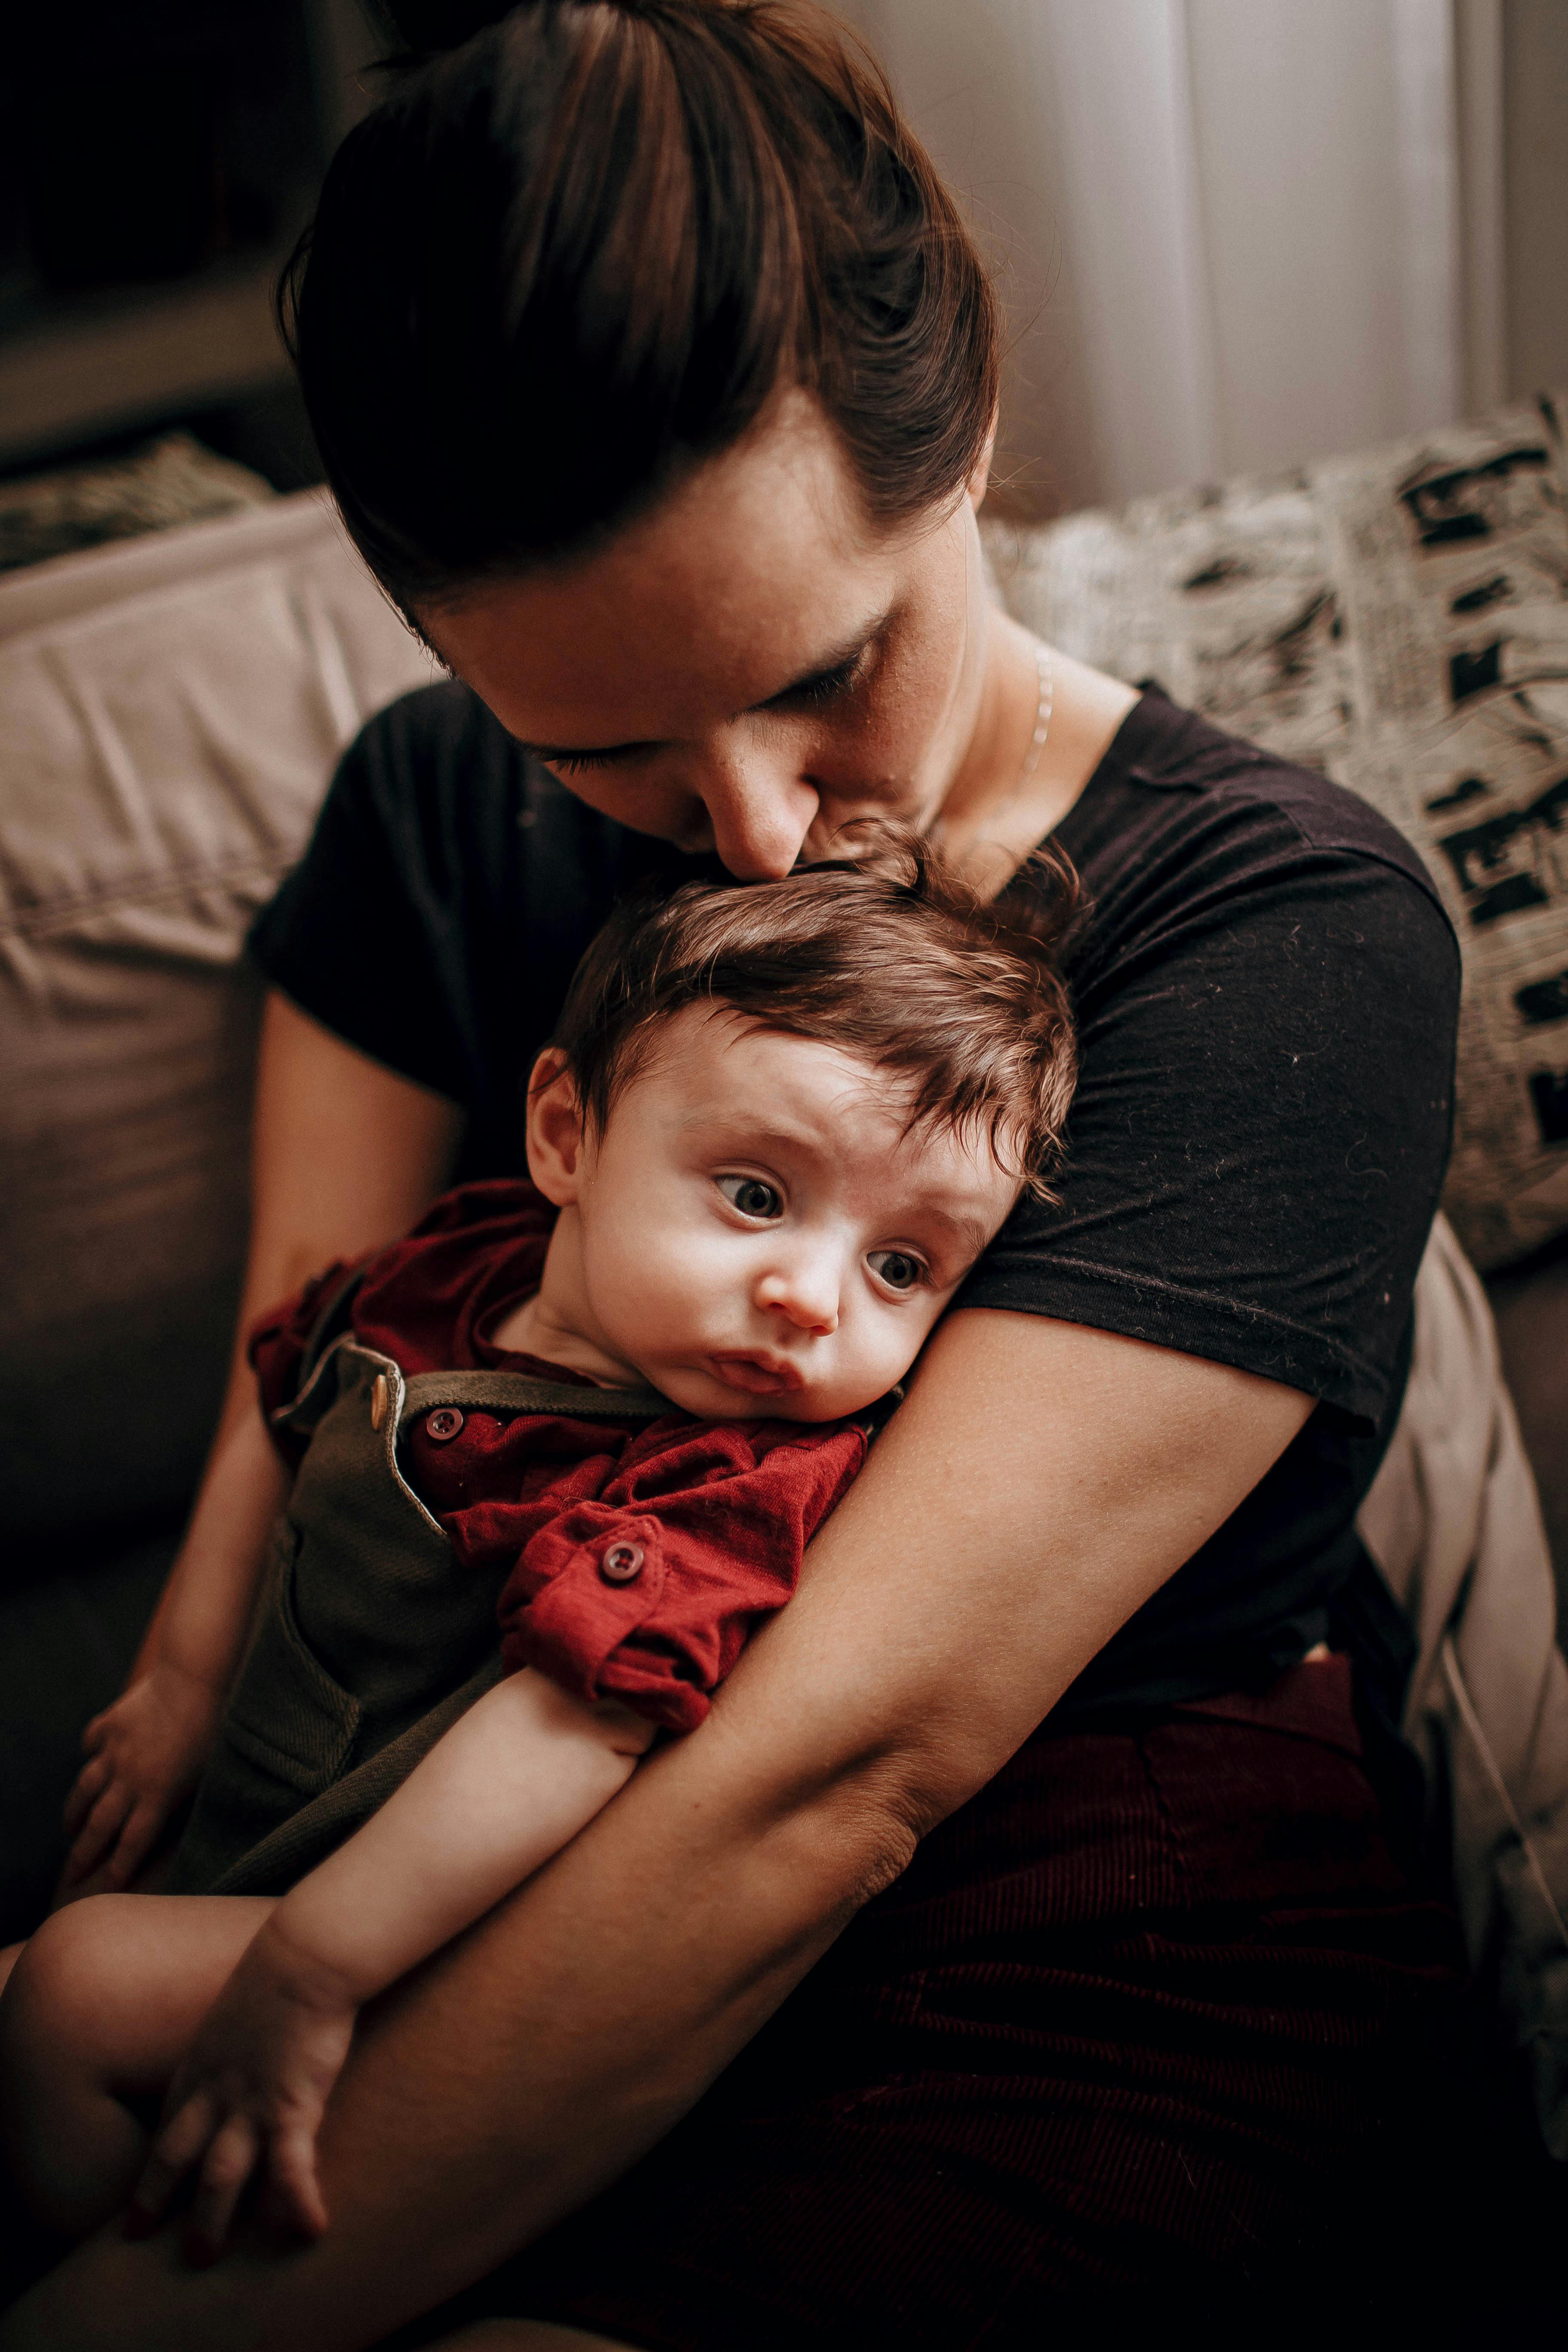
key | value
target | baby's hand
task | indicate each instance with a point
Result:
(146, 1754)
(248, 2098)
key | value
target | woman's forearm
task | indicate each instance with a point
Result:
(210, 1598)
(1040, 1483)
(211, 1508)
(345, 1156)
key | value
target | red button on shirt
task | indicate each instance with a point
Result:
(720, 1513)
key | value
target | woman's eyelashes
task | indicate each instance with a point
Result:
(753, 1196)
(573, 763)
(825, 686)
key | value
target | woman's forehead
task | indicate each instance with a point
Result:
(758, 569)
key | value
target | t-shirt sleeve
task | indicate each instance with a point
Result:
(276, 1350)
(366, 933)
(439, 910)
(1258, 1136)
(648, 1592)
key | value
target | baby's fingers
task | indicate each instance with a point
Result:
(177, 2146)
(229, 2163)
(294, 2197)
(89, 1786)
(101, 1831)
(136, 1841)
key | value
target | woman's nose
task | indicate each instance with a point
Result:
(761, 812)
(806, 1293)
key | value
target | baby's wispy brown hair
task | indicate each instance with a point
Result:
(888, 955)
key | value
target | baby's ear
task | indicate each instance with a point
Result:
(554, 1127)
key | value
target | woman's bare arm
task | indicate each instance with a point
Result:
(1041, 1482)
(346, 1155)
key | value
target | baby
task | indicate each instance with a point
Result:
(777, 1126)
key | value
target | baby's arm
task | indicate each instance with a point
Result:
(512, 1782)
(146, 1751)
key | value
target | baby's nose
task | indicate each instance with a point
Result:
(808, 1297)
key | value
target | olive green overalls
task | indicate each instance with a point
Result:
(373, 1637)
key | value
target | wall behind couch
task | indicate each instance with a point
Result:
(1239, 234)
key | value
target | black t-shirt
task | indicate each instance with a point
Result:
(1266, 990)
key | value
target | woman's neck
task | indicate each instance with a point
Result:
(995, 811)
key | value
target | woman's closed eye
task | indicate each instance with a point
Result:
(899, 1269)
(752, 1197)
(824, 686)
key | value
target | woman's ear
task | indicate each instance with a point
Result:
(554, 1129)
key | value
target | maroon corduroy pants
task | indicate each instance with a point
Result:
(1151, 2020)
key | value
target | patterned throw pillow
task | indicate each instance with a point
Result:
(170, 480)
(1398, 620)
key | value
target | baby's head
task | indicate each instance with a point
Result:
(783, 1119)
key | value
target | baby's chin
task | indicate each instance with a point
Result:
(710, 1398)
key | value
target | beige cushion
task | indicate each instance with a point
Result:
(170, 711)
(1398, 619)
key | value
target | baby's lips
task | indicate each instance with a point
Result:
(756, 1373)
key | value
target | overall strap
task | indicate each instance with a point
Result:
(498, 1392)
(331, 1321)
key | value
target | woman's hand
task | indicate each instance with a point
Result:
(248, 2098)
(145, 1755)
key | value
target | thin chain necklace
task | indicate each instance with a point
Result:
(1042, 714)
(1042, 708)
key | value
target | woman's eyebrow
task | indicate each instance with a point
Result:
(842, 659)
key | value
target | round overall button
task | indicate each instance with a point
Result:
(622, 1564)
(442, 1424)
(379, 1397)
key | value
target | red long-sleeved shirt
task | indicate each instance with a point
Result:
(722, 1510)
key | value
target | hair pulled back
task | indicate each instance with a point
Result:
(565, 261)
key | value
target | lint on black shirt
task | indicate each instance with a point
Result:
(1266, 990)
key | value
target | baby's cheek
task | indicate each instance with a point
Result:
(645, 1287)
(908, 1340)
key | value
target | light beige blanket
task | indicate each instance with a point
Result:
(1453, 1522)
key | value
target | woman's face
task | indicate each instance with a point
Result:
(753, 665)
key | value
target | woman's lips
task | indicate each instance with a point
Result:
(757, 1373)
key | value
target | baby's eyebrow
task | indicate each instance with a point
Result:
(732, 1134)
(969, 1235)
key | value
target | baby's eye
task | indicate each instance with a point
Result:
(897, 1268)
(752, 1196)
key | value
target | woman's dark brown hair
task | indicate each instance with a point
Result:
(565, 260)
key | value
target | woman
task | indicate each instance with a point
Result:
(656, 378)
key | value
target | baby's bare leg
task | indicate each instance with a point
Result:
(99, 2010)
